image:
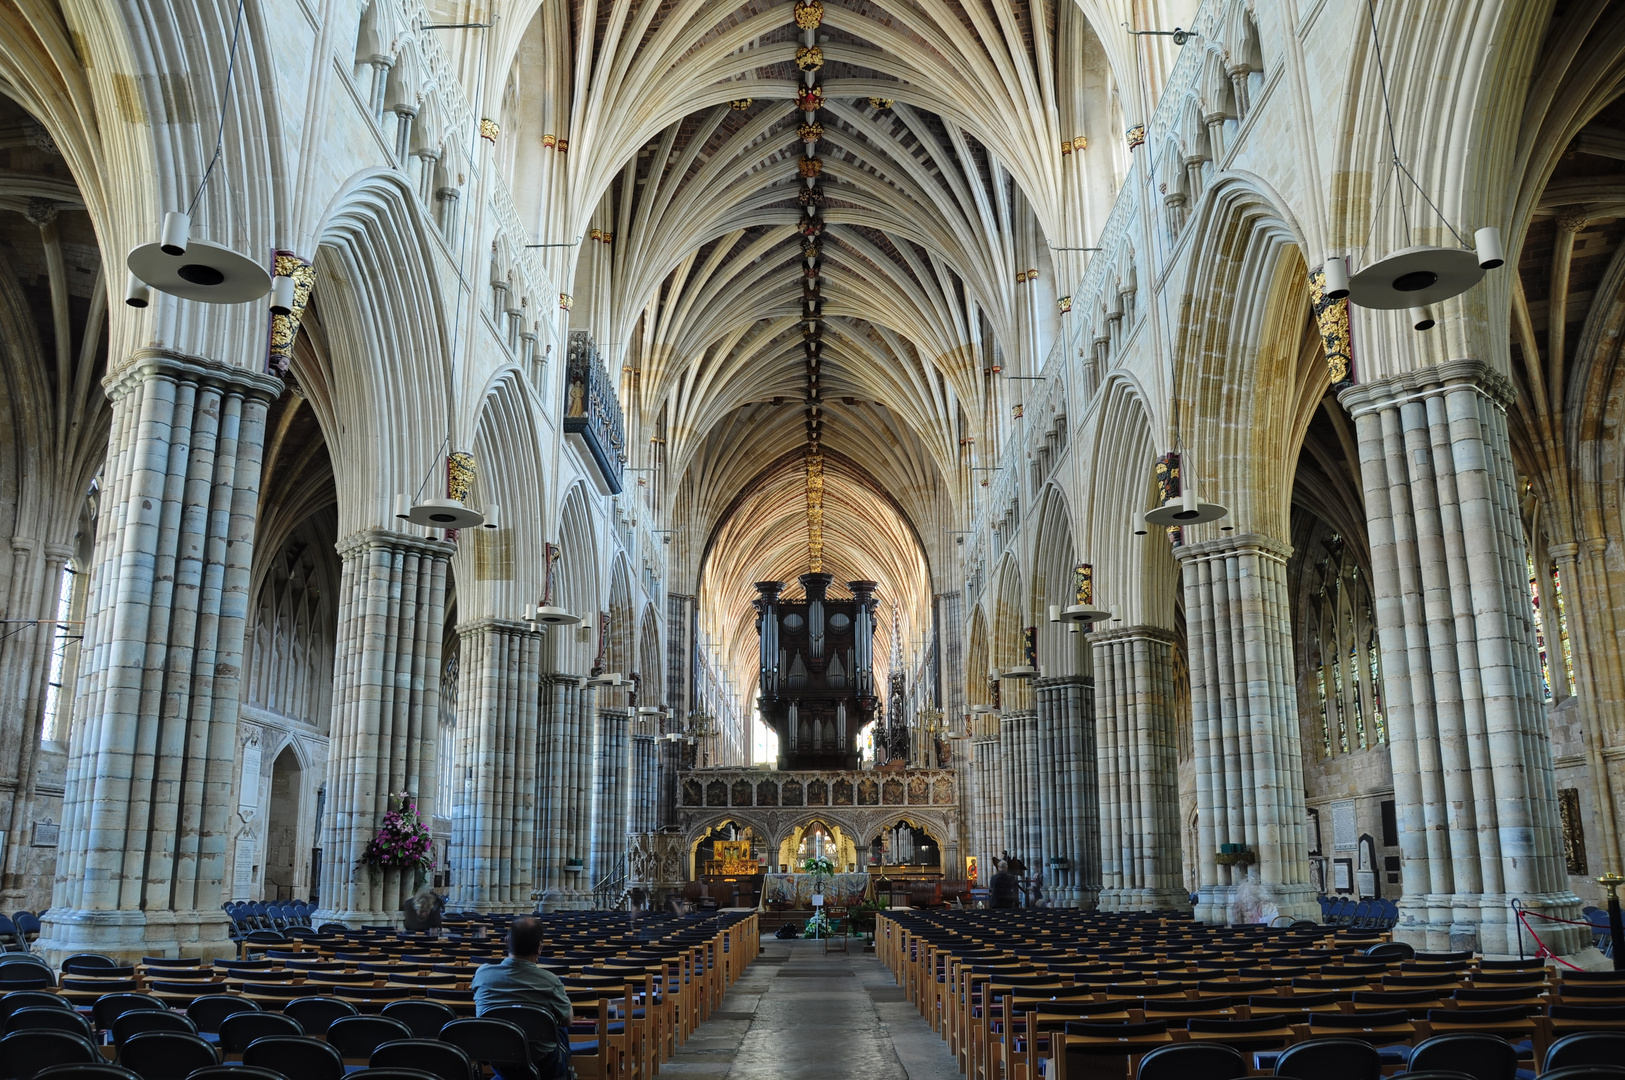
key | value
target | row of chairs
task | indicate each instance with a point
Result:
(17, 933)
(155, 1043)
(247, 917)
(629, 1016)
(1001, 991)
(1377, 914)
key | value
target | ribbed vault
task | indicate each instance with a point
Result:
(818, 226)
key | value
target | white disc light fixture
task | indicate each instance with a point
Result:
(444, 514)
(1417, 276)
(548, 615)
(1189, 510)
(194, 269)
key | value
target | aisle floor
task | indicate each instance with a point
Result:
(797, 1014)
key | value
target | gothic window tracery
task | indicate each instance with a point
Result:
(1342, 659)
(291, 668)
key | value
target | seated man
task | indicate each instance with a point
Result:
(519, 981)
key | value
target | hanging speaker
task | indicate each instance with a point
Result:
(1337, 278)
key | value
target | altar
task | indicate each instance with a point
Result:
(795, 890)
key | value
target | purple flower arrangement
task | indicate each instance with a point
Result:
(403, 841)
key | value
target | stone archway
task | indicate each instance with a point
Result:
(284, 869)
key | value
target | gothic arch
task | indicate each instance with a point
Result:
(1135, 574)
(501, 568)
(377, 303)
(1248, 379)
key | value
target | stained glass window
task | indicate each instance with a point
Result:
(1540, 630)
(1563, 627)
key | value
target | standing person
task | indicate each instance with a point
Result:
(422, 911)
(518, 980)
(1006, 888)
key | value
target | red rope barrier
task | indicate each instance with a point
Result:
(1523, 917)
(1554, 918)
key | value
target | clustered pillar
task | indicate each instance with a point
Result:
(386, 713)
(1473, 781)
(1068, 796)
(1019, 767)
(141, 867)
(1138, 770)
(611, 815)
(1244, 726)
(495, 768)
(986, 797)
(564, 808)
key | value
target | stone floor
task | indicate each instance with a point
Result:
(797, 1014)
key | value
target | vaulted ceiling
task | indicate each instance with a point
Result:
(833, 248)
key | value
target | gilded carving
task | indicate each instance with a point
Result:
(459, 475)
(284, 328)
(1332, 319)
(815, 512)
(810, 58)
(809, 14)
(1574, 834)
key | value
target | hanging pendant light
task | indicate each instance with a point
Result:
(1189, 510)
(194, 269)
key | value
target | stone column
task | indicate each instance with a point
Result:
(612, 747)
(1138, 770)
(564, 793)
(1473, 781)
(493, 822)
(1018, 769)
(986, 809)
(386, 713)
(1068, 795)
(148, 799)
(1244, 725)
(645, 802)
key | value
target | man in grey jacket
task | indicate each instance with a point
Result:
(518, 980)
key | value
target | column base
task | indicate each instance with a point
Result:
(1144, 900)
(1264, 903)
(1486, 923)
(127, 936)
(355, 920)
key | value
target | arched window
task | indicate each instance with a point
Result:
(1554, 590)
(58, 695)
(1342, 652)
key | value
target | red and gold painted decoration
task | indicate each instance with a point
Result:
(1136, 136)
(811, 100)
(1065, 304)
(489, 129)
(810, 166)
(810, 58)
(1083, 585)
(1167, 475)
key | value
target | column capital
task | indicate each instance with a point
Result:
(1056, 681)
(150, 363)
(1565, 552)
(1146, 633)
(1240, 543)
(370, 538)
(1429, 382)
(487, 624)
